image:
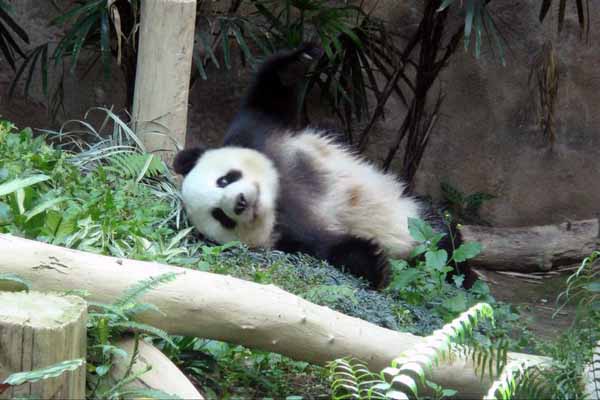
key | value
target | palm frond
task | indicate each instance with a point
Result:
(583, 13)
(9, 31)
(136, 165)
(478, 22)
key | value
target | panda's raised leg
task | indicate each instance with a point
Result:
(361, 257)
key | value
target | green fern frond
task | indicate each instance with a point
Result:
(583, 285)
(111, 309)
(412, 366)
(142, 287)
(351, 379)
(140, 308)
(137, 165)
(51, 371)
(144, 328)
(519, 379)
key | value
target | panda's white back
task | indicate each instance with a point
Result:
(359, 199)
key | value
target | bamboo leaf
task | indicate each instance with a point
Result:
(40, 208)
(20, 183)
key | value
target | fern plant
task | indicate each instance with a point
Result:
(49, 372)
(107, 321)
(464, 208)
(10, 30)
(583, 285)
(518, 376)
(351, 378)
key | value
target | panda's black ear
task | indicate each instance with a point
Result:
(298, 63)
(186, 159)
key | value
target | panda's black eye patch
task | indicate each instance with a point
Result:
(228, 178)
(223, 219)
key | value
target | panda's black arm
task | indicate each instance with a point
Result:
(271, 103)
(361, 257)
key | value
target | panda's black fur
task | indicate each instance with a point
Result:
(270, 107)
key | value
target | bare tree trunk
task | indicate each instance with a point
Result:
(166, 43)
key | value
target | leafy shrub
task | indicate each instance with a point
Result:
(423, 280)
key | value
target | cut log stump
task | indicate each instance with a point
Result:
(36, 331)
(534, 248)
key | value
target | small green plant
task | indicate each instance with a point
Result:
(583, 286)
(425, 281)
(232, 371)
(462, 207)
(108, 321)
(351, 378)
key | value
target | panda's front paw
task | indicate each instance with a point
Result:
(363, 258)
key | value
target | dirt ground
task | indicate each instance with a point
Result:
(537, 301)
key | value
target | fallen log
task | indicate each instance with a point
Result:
(36, 331)
(534, 248)
(219, 307)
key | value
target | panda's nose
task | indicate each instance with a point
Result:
(240, 204)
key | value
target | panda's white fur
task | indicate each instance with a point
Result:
(295, 190)
(359, 199)
(259, 184)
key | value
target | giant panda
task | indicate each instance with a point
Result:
(297, 190)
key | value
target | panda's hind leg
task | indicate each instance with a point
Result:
(361, 257)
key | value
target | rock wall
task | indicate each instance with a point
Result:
(487, 139)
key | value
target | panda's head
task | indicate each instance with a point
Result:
(229, 193)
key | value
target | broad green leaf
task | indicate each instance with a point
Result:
(20, 183)
(5, 214)
(457, 303)
(404, 278)
(40, 208)
(20, 196)
(101, 370)
(418, 250)
(419, 230)
(458, 280)
(466, 251)
(436, 259)
(51, 371)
